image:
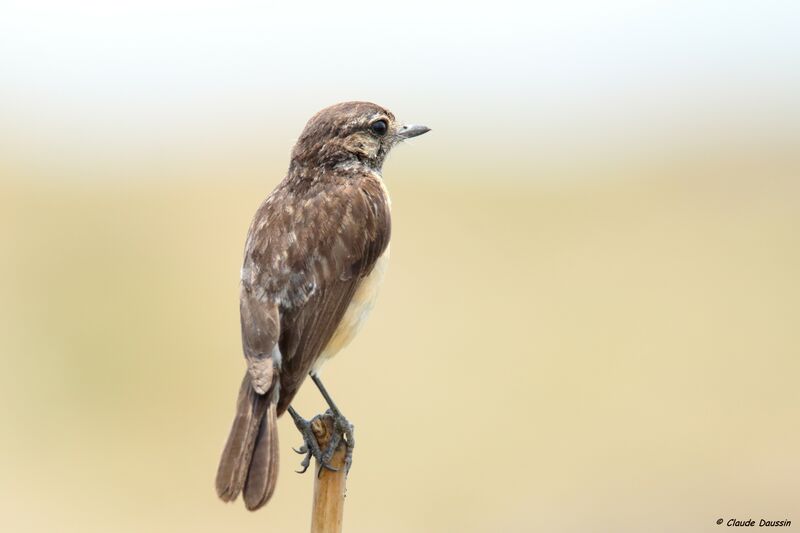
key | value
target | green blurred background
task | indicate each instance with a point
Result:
(589, 322)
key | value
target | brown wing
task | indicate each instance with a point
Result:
(308, 249)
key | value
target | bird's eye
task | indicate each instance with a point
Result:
(379, 127)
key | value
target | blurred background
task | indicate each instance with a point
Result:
(589, 322)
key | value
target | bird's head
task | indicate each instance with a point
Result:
(358, 132)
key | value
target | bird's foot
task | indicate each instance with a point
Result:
(343, 431)
(310, 445)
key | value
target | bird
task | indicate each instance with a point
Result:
(314, 257)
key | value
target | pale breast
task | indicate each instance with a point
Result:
(362, 303)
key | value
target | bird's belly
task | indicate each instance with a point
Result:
(362, 303)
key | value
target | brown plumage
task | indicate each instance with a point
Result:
(311, 246)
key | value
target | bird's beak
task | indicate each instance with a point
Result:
(411, 130)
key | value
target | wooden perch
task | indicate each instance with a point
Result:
(329, 486)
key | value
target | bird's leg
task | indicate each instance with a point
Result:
(310, 446)
(343, 429)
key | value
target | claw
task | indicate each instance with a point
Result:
(343, 432)
(348, 459)
(310, 447)
(336, 438)
(324, 466)
(305, 463)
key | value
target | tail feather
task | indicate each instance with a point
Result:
(263, 473)
(250, 459)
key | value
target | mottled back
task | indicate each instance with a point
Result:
(307, 249)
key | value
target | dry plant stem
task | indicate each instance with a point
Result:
(329, 486)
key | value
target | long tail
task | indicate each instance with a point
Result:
(249, 461)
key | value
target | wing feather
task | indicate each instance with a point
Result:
(308, 249)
